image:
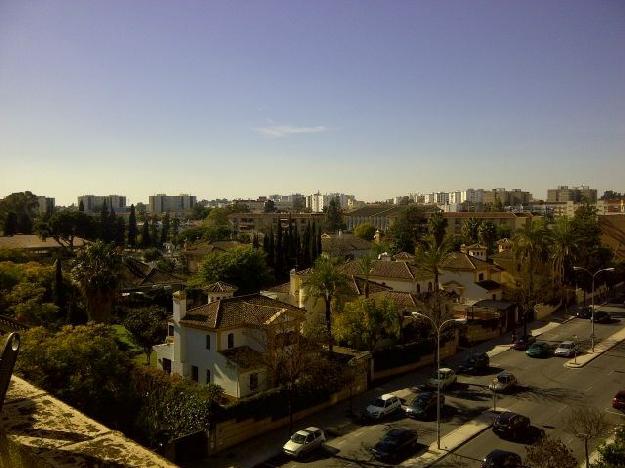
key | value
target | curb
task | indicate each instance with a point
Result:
(609, 343)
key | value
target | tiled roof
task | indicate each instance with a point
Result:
(402, 300)
(377, 210)
(464, 262)
(475, 246)
(253, 309)
(32, 241)
(204, 248)
(136, 274)
(481, 215)
(357, 285)
(219, 286)
(244, 357)
(389, 269)
(282, 288)
(490, 304)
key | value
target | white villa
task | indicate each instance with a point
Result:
(223, 342)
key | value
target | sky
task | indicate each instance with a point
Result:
(245, 98)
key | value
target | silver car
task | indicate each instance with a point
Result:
(503, 381)
(566, 349)
(304, 441)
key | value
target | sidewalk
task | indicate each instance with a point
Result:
(454, 439)
(600, 348)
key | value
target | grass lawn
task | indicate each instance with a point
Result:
(124, 336)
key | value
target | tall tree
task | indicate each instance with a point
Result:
(365, 268)
(81, 206)
(306, 246)
(24, 205)
(146, 240)
(326, 282)
(165, 228)
(279, 255)
(10, 224)
(120, 231)
(132, 227)
(60, 295)
(65, 226)
(334, 216)
(529, 246)
(487, 235)
(146, 327)
(470, 229)
(154, 231)
(408, 229)
(269, 207)
(587, 424)
(549, 453)
(314, 253)
(563, 247)
(97, 271)
(175, 229)
(106, 231)
(437, 227)
(365, 231)
(24, 223)
(431, 257)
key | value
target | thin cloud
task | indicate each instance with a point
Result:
(283, 131)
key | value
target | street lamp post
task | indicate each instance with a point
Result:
(438, 375)
(592, 301)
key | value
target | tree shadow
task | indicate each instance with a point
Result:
(560, 394)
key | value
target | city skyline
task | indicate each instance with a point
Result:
(222, 101)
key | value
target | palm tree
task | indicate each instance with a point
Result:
(326, 281)
(564, 243)
(487, 235)
(97, 272)
(437, 226)
(431, 256)
(530, 247)
(365, 267)
(470, 229)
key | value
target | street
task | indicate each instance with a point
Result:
(547, 389)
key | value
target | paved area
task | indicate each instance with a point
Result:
(548, 389)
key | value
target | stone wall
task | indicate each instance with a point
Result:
(39, 430)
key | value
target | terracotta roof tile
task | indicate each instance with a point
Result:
(219, 286)
(244, 357)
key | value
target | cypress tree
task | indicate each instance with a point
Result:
(279, 258)
(306, 246)
(298, 248)
(175, 229)
(59, 286)
(154, 232)
(271, 252)
(105, 220)
(145, 235)
(132, 227)
(24, 224)
(319, 248)
(165, 228)
(120, 231)
(313, 243)
(81, 206)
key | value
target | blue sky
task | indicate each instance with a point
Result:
(375, 98)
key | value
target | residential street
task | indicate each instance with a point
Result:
(547, 390)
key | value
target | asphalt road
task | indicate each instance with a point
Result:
(547, 390)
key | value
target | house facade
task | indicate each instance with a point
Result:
(224, 342)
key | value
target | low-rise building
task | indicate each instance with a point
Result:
(254, 223)
(225, 341)
(471, 278)
(345, 245)
(35, 245)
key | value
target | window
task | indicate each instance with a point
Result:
(208, 342)
(167, 365)
(170, 330)
(208, 376)
(230, 340)
(194, 373)
(253, 381)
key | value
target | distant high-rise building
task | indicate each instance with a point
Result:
(565, 193)
(506, 197)
(176, 204)
(46, 205)
(317, 202)
(94, 203)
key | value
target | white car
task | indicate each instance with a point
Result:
(503, 381)
(566, 349)
(383, 406)
(445, 376)
(304, 441)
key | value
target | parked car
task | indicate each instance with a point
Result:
(445, 376)
(304, 441)
(383, 406)
(601, 317)
(566, 349)
(583, 312)
(423, 405)
(618, 402)
(474, 364)
(503, 381)
(502, 459)
(521, 344)
(539, 350)
(511, 425)
(395, 443)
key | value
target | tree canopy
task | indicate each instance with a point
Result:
(365, 231)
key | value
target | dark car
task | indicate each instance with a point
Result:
(584, 312)
(395, 443)
(474, 364)
(423, 405)
(601, 317)
(539, 350)
(502, 459)
(522, 343)
(618, 402)
(511, 425)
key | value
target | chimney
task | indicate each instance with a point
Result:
(180, 305)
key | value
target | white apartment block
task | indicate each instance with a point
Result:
(162, 203)
(94, 203)
(317, 202)
(46, 205)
